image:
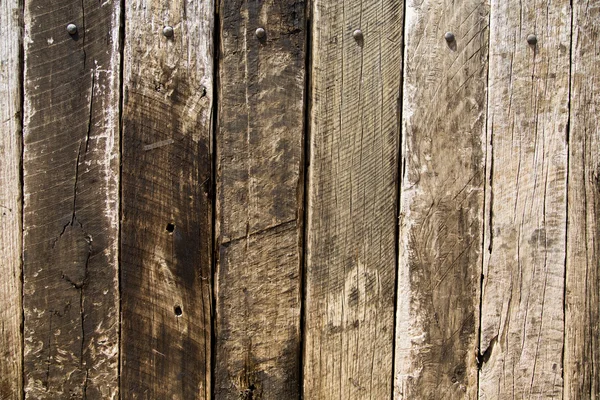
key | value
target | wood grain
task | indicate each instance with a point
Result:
(582, 311)
(352, 199)
(524, 259)
(442, 199)
(166, 203)
(11, 338)
(71, 178)
(259, 199)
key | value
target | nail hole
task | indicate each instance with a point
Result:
(170, 228)
(178, 311)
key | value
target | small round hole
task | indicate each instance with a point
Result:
(178, 311)
(170, 228)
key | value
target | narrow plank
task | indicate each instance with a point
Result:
(522, 320)
(259, 199)
(11, 339)
(352, 199)
(582, 303)
(166, 203)
(442, 199)
(71, 178)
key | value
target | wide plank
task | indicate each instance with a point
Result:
(166, 234)
(71, 180)
(582, 303)
(522, 323)
(351, 242)
(11, 339)
(259, 196)
(442, 199)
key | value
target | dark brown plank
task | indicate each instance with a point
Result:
(259, 199)
(352, 199)
(522, 311)
(442, 199)
(166, 213)
(11, 338)
(582, 303)
(71, 178)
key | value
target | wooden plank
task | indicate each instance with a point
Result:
(442, 200)
(352, 199)
(11, 339)
(524, 258)
(259, 199)
(167, 211)
(71, 178)
(582, 311)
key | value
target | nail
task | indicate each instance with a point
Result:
(168, 31)
(449, 36)
(532, 39)
(357, 34)
(260, 33)
(72, 29)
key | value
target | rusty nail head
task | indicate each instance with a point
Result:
(168, 31)
(260, 33)
(357, 34)
(449, 36)
(532, 39)
(72, 29)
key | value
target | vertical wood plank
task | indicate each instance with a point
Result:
(524, 259)
(11, 338)
(352, 199)
(582, 312)
(442, 199)
(167, 212)
(259, 199)
(71, 177)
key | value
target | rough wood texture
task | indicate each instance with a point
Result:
(259, 200)
(11, 385)
(441, 214)
(582, 312)
(166, 213)
(71, 173)
(524, 253)
(352, 199)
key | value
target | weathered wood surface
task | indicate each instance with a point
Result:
(166, 234)
(442, 199)
(259, 199)
(582, 309)
(11, 354)
(71, 178)
(352, 199)
(524, 253)
(451, 201)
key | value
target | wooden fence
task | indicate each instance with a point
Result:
(275, 199)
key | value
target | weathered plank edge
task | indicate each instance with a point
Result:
(582, 332)
(304, 177)
(11, 192)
